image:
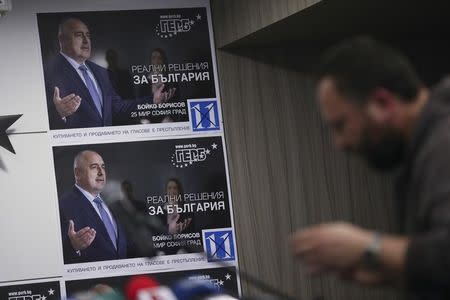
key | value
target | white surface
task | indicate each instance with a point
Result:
(29, 228)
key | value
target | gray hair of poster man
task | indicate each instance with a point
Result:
(62, 26)
(80, 158)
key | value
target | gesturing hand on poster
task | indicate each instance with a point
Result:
(81, 239)
(160, 96)
(174, 225)
(67, 105)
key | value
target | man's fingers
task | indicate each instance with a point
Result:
(302, 244)
(164, 97)
(88, 237)
(302, 250)
(56, 94)
(83, 231)
(68, 105)
(176, 217)
(68, 98)
(182, 225)
(74, 103)
(83, 238)
(77, 105)
(71, 230)
(171, 93)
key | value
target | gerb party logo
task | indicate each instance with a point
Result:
(172, 25)
(28, 295)
(204, 115)
(31, 291)
(188, 154)
(219, 244)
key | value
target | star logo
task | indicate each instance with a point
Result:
(227, 276)
(214, 146)
(43, 298)
(5, 123)
(51, 291)
(208, 151)
(199, 17)
(221, 282)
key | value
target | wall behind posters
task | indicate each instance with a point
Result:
(30, 232)
(286, 173)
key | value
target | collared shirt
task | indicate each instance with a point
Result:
(94, 205)
(76, 66)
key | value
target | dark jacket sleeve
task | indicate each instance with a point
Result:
(428, 255)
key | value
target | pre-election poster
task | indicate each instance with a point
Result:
(108, 68)
(31, 291)
(123, 87)
(223, 280)
(158, 197)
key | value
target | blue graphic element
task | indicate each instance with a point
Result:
(219, 245)
(204, 115)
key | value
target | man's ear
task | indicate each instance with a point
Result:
(381, 105)
(76, 173)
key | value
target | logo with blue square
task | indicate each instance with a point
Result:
(219, 244)
(204, 114)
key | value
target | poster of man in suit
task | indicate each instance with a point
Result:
(140, 199)
(108, 68)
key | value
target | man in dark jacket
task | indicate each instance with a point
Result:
(377, 107)
(79, 92)
(90, 231)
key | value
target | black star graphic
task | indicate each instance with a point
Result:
(5, 123)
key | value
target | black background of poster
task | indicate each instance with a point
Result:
(131, 34)
(229, 287)
(148, 166)
(35, 288)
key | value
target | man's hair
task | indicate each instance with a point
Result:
(80, 157)
(77, 159)
(362, 64)
(62, 25)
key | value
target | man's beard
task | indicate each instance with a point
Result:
(385, 154)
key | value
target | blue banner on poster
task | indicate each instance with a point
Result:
(204, 115)
(219, 244)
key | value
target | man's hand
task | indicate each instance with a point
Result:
(67, 105)
(81, 239)
(336, 247)
(161, 97)
(339, 247)
(174, 226)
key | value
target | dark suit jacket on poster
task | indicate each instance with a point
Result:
(75, 206)
(116, 111)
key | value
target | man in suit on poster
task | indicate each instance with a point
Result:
(79, 92)
(90, 232)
